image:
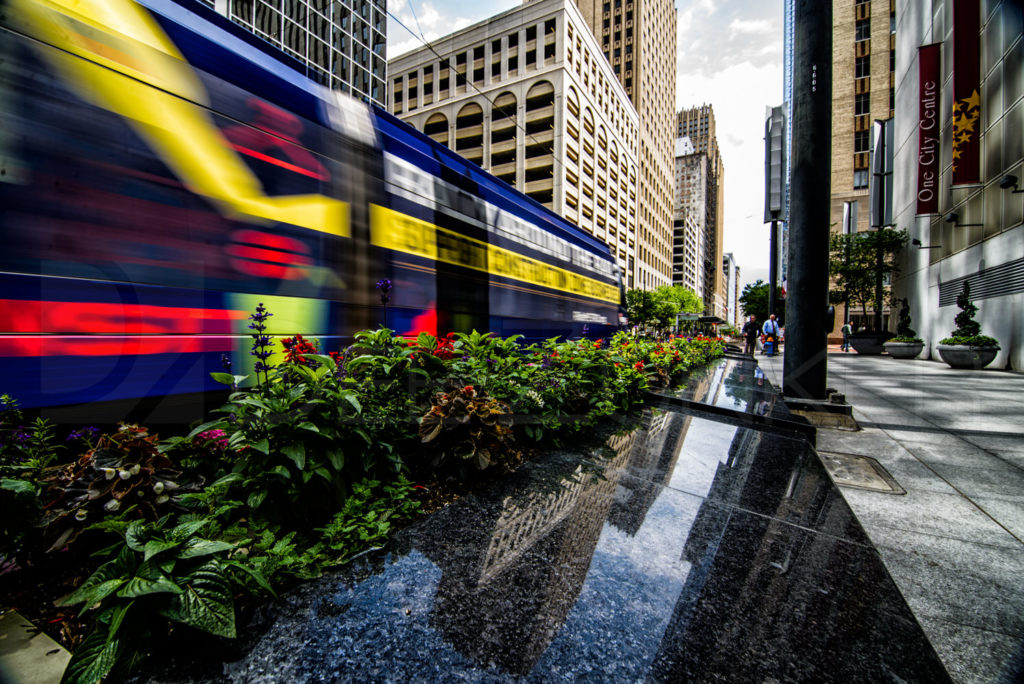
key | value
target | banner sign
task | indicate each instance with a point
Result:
(928, 57)
(966, 99)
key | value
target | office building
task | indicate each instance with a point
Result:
(689, 217)
(959, 167)
(731, 276)
(638, 38)
(863, 39)
(698, 124)
(529, 96)
(339, 43)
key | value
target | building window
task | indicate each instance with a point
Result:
(861, 141)
(862, 67)
(863, 29)
(862, 104)
(860, 179)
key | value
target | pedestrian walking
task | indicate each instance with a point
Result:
(750, 333)
(771, 335)
(847, 330)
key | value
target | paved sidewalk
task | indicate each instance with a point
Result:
(954, 543)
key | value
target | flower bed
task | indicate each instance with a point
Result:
(309, 462)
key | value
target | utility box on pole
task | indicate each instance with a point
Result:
(774, 190)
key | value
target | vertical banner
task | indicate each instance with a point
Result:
(928, 58)
(966, 99)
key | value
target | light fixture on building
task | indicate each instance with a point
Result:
(954, 218)
(1010, 181)
(917, 243)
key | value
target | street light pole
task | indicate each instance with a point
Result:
(805, 363)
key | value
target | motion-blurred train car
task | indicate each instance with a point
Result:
(162, 171)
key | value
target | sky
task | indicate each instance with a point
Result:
(728, 54)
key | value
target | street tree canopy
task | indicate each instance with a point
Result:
(754, 302)
(859, 264)
(658, 308)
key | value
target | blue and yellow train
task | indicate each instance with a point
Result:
(162, 171)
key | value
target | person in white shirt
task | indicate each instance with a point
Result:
(771, 332)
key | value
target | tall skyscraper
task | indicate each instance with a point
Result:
(528, 96)
(639, 37)
(863, 63)
(340, 43)
(863, 59)
(690, 217)
(698, 123)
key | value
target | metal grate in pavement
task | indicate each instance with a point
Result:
(860, 472)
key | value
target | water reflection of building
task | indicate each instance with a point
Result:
(521, 566)
(770, 583)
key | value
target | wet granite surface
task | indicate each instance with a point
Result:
(690, 549)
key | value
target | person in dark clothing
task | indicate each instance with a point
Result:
(750, 332)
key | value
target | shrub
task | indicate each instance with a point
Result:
(968, 331)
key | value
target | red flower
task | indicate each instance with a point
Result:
(639, 365)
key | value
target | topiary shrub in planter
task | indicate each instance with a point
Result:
(967, 347)
(906, 344)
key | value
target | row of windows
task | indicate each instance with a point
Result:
(341, 46)
(509, 58)
(590, 72)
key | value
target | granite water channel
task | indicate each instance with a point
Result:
(706, 543)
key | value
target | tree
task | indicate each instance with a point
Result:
(658, 308)
(859, 264)
(754, 302)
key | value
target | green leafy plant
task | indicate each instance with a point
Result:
(968, 330)
(158, 573)
(368, 517)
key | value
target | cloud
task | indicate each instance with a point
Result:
(405, 33)
(748, 26)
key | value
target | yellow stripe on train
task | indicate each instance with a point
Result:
(403, 233)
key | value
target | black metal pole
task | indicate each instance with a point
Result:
(773, 254)
(805, 362)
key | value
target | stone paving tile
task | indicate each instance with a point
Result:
(975, 656)
(960, 453)
(959, 582)
(945, 515)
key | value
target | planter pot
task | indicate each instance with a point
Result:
(903, 350)
(966, 356)
(869, 342)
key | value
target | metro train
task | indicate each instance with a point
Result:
(162, 171)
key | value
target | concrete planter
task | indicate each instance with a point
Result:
(869, 342)
(966, 356)
(903, 350)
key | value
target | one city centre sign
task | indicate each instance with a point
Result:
(928, 132)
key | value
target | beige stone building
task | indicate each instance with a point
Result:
(529, 96)
(698, 124)
(863, 60)
(638, 37)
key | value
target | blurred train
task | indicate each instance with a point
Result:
(162, 171)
